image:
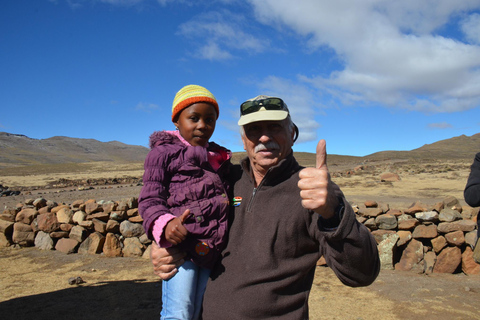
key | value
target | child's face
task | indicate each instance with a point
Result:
(196, 123)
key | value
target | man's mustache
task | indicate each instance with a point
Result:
(272, 145)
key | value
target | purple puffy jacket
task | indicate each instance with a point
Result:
(179, 177)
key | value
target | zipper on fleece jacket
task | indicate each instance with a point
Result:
(250, 203)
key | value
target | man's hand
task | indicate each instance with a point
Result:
(315, 185)
(175, 232)
(166, 261)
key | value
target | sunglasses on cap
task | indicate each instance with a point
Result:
(269, 104)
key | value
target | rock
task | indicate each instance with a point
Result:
(91, 206)
(439, 243)
(132, 212)
(77, 281)
(450, 202)
(93, 244)
(386, 222)
(404, 237)
(430, 216)
(395, 212)
(99, 226)
(59, 234)
(60, 207)
(412, 257)
(67, 245)
(112, 246)
(455, 238)
(47, 222)
(109, 207)
(65, 215)
(39, 203)
(369, 212)
(371, 204)
(448, 260)
(407, 222)
(370, 224)
(23, 234)
(449, 215)
(43, 241)
(471, 238)
(385, 251)
(26, 216)
(112, 226)
(102, 216)
(79, 216)
(132, 247)
(381, 235)
(6, 228)
(129, 230)
(416, 207)
(469, 266)
(78, 233)
(425, 232)
(136, 219)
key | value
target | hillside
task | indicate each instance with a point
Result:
(20, 150)
(461, 147)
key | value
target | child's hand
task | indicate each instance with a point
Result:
(175, 232)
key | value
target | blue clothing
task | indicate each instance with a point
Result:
(182, 295)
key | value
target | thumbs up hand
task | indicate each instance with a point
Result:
(174, 231)
(316, 187)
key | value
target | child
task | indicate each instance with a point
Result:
(184, 199)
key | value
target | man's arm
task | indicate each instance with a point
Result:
(166, 261)
(348, 246)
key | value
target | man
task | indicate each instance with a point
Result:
(285, 219)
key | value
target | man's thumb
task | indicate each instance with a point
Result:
(321, 154)
(184, 216)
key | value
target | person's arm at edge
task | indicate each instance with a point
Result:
(472, 189)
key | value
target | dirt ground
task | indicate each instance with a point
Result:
(34, 283)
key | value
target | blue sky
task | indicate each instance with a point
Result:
(366, 76)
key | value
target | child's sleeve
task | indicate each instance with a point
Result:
(152, 202)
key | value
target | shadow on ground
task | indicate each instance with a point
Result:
(137, 299)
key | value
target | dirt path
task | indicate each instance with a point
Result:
(34, 285)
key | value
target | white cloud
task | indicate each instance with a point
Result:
(471, 27)
(440, 125)
(222, 35)
(146, 107)
(122, 2)
(391, 51)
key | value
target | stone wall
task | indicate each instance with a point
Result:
(421, 238)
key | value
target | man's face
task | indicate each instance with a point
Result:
(267, 143)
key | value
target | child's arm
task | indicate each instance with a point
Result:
(174, 231)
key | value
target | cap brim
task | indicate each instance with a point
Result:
(263, 115)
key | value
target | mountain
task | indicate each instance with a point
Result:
(20, 150)
(461, 147)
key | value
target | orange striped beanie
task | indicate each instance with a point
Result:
(189, 95)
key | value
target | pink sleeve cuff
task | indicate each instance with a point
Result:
(158, 228)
